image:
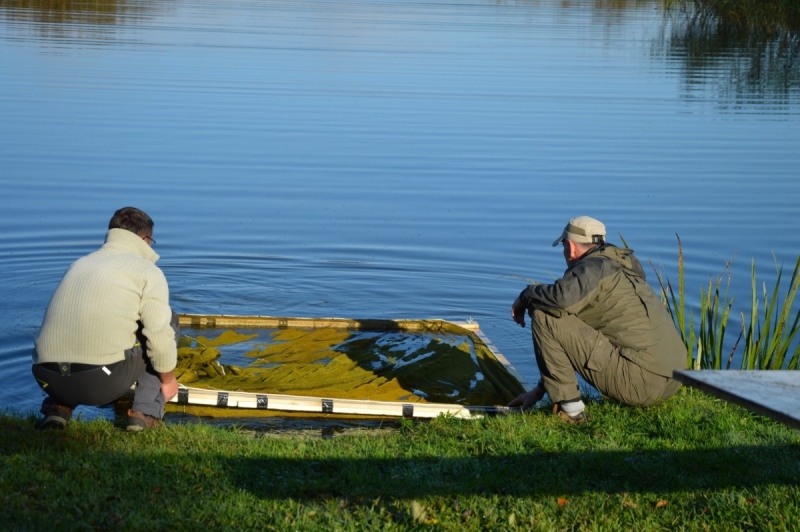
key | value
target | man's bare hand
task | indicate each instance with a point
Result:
(526, 400)
(518, 312)
(169, 385)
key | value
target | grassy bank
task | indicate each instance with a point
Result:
(694, 463)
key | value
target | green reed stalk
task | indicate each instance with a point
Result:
(715, 309)
(676, 306)
(750, 353)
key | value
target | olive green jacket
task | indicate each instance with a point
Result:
(607, 290)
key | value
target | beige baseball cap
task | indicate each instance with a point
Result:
(584, 230)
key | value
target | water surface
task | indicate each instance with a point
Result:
(383, 158)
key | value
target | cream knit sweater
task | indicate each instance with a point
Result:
(92, 316)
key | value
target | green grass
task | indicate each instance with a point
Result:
(693, 463)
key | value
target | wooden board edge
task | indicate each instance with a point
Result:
(317, 405)
(275, 322)
(687, 378)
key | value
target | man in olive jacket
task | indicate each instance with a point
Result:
(602, 320)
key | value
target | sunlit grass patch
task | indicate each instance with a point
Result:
(694, 461)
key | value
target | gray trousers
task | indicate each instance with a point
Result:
(148, 398)
(567, 344)
(87, 384)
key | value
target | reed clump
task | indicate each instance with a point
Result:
(769, 327)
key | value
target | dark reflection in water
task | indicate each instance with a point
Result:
(74, 11)
(75, 19)
(746, 67)
(742, 67)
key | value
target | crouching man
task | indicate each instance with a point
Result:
(602, 320)
(109, 325)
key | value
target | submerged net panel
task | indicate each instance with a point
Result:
(432, 361)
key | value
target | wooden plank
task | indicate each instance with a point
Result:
(317, 405)
(274, 322)
(771, 393)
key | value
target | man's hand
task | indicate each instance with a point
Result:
(518, 312)
(526, 400)
(169, 385)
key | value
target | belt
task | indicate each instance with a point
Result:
(67, 368)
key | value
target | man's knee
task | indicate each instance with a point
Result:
(670, 389)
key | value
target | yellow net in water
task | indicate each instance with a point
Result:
(441, 365)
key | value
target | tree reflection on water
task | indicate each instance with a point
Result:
(741, 66)
(76, 19)
(746, 66)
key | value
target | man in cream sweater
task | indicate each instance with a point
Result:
(109, 325)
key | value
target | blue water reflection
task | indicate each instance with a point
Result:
(381, 158)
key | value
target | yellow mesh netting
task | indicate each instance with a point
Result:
(444, 364)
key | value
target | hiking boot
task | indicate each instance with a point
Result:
(138, 421)
(56, 416)
(578, 419)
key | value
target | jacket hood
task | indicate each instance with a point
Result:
(622, 256)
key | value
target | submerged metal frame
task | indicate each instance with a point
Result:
(317, 405)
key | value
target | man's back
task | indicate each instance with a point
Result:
(92, 317)
(620, 304)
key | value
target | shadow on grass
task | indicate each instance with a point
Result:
(545, 473)
(96, 477)
(199, 467)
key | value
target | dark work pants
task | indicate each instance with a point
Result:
(566, 345)
(92, 385)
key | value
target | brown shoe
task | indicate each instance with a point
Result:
(138, 421)
(578, 419)
(56, 416)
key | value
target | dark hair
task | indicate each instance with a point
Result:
(133, 220)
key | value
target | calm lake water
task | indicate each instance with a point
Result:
(383, 158)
